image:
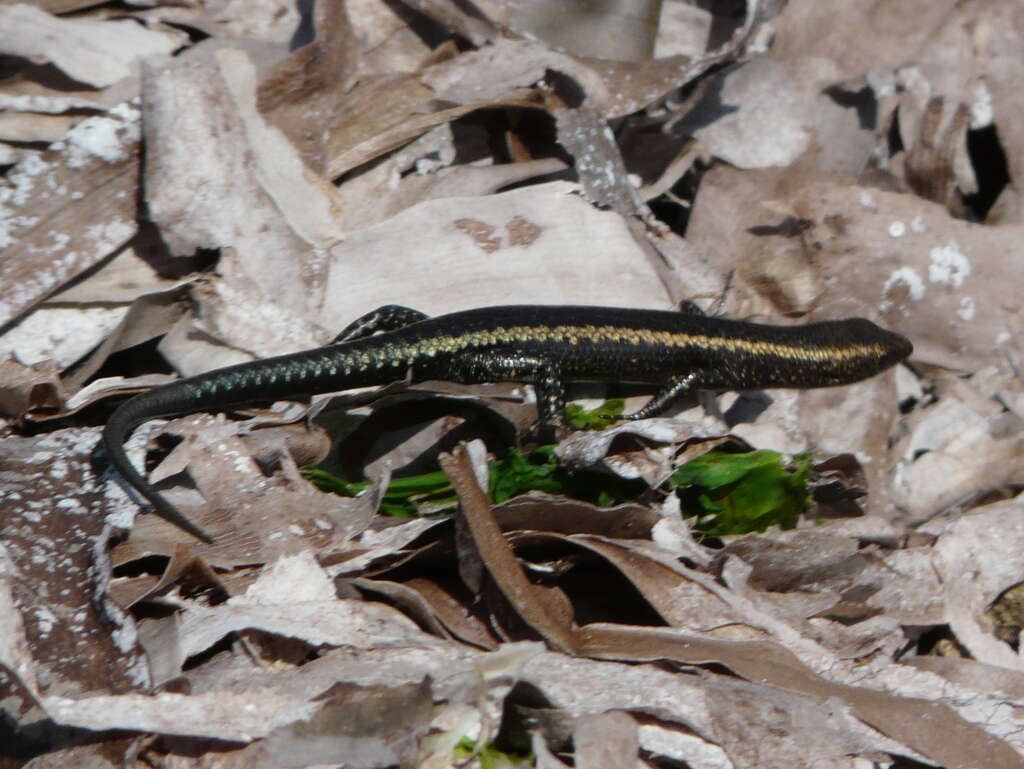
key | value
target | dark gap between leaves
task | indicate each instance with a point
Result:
(990, 168)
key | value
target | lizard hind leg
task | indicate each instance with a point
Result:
(666, 397)
(390, 317)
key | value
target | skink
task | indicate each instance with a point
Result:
(545, 346)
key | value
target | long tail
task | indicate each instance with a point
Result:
(325, 369)
(164, 401)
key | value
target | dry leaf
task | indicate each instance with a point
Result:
(49, 240)
(98, 53)
(776, 162)
(496, 249)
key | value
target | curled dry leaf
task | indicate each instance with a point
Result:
(358, 624)
(993, 535)
(646, 459)
(269, 227)
(599, 163)
(26, 388)
(98, 53)
(540, 609)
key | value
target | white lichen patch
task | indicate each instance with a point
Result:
(45, 620)
(46, 104)
(966, 308)
(71, 506)
(16, 191)
(11, 225)
(60, 241)
(897, 229)
(109, 137)
(42, 282)
(39, 178)
(949, 265)
(110, 235)
(982, 112)
(908, 277)
(21, 179)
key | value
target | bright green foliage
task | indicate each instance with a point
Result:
(405, 497)
(730, 493)
(514, 474)
(490, 757)
(517, 473)
(594, 419)
(741, 493)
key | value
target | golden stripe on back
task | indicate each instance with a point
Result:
(598, 334)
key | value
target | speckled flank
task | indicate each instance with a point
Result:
(348, 361)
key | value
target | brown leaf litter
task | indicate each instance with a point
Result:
(186, 186)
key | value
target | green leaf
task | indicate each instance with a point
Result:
(517, 473)
(326, 481)
(404, 498)
(730, 493)
(741, 493)
(594, 419)
(514, 474)
(489, 756)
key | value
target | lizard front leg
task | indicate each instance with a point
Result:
(544, 374)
